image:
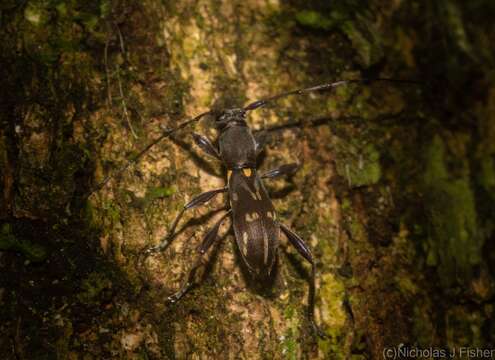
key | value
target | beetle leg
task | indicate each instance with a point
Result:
(303, 249)
(208, 240)
(205, 144)
(197, 201)
(287, 169)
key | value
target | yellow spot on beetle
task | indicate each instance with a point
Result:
(229, 172)
(247, 172)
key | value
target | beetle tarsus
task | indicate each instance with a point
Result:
(153, 250)
(179, 294)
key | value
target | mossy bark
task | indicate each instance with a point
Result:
(394, 195)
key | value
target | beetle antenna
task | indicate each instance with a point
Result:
(260, 103)
(166, 133)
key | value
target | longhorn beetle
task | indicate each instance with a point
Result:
(256, 227)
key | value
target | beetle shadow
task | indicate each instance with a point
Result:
(194, 221)
(198, 160)
(210, 260)
(289, 187)
(213, 258)
(283, 192)
(296, 261)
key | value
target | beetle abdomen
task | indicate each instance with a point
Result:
(255, 226)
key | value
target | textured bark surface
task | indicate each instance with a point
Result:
(394, 195)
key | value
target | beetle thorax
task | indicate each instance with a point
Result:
(236, 142)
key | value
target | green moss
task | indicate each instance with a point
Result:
(354, 23)
(366, 43)
(455, 25)
(353, 224)
(314, 20)
(8, 241)
(54, 29)
(332, 290)
(62, 345)
(360, 167)
(435, 167)
(406, 285)
(92, 287)
(289, 345)
(158, 193)
(289, 312)
(487, 175)
(88, 213)
(463, 327)
(422, 324)
(358, 357)
(36, 14)
(454, 243)
(112, 211)
(151, 195)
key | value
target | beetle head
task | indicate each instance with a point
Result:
(230, 117)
